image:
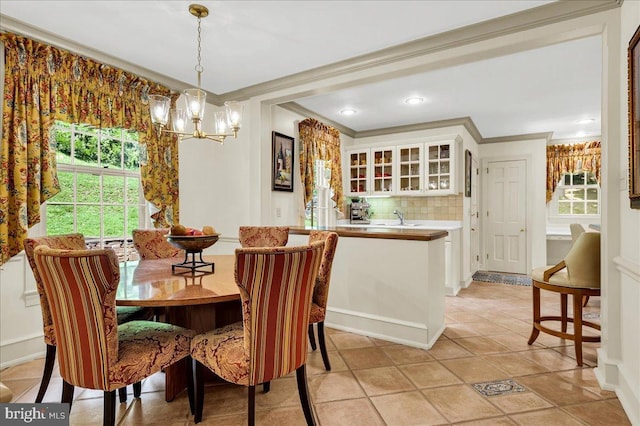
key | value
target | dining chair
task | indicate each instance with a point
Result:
(276, 287)
(124, 313)
(263, 236)
(321, 291)
(94, 351)
(576, 230)
(577, 275)
(152, 244)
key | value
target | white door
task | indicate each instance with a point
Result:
(474, 221)
(506, 216)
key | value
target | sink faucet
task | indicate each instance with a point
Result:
(400, 216)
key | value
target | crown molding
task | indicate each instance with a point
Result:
(497, 27)
(8, 24)
(517, 138)
(299, 109)
(462, 121)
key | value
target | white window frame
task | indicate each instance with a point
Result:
(554, 204)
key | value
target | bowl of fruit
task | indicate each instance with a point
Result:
(192, 240)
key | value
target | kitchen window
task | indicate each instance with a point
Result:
(101, 191)
(577, 194)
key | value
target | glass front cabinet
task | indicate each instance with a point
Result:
(382, 178)
(440, 165)
(358, 184)
(409, 169)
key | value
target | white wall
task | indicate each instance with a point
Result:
(535, 153)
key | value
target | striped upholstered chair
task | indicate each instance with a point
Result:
(276, 286)
(94, 351)
(321, 290)
(263, 236)
(124, 313)
(152, 244)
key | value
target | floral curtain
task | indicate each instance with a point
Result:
(43, 84)
(320, 142)
(570, 159)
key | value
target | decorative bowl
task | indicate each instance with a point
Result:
(193, 243)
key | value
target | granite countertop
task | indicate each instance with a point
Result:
(388, 233)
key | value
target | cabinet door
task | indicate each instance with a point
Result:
(440, 164)
(409, 169)
(382, 177)
(358, 172)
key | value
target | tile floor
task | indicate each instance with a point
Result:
(483, 352)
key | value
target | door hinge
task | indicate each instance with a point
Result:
(487, 213)
(487, 170)
(477, 258)
(487, 256)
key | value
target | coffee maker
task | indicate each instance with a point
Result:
(359, 211)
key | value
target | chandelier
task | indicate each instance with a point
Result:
(226, 123)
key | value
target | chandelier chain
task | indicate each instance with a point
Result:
(199, 67)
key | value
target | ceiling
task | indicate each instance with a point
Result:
(246, 44)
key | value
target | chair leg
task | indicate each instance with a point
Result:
(49, 362)
(67, 393)
(266, 387)
(137, 389)
(536, 314)
(585, 300)
(251, 415)
(122, 394)
(303, 391)
(198, 389)
(109, 415)
(563, 311)
(577, 327)
(312, 338)
(323, 346)
(190, 387)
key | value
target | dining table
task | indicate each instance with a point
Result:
(200, 301)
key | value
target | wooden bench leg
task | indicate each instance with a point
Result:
(577, 326)
(563, 311)
(536, 313)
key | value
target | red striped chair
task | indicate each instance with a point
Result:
(276, 286)
(93, 350)
(263, 236)
(152, 244)
(124, 313)
(321, 291)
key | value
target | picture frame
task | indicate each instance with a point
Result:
(634, 120)
(467, 173)
(282, 162)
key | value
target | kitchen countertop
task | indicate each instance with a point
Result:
(368, 231)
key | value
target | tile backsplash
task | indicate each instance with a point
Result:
(447, 207)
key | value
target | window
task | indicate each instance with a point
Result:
(577, 194)
(101, 192)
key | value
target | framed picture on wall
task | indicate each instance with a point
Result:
(634, 120)
(282, 162)
(467, 173)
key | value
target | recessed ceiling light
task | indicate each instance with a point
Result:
(586, 120)
(414, 101)
(348, 111)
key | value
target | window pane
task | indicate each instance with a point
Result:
(111, 153)
(578, 208)
(566, 194)
(130, 135)
(113, 189)
(89, 221)
(567, 179)
(564, 208)
(86, 150)
(131, 156)
(133, 188)
(592, 194)
(66, 188)
(59, 219)
(577, 194)
(88, 188)
(592, 208)
(578, 179)
(113, 221)
(63, 146)
(133, 218)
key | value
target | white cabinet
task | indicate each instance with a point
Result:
(409, 168)
(382, 177)
(358, 172)
(440, 167)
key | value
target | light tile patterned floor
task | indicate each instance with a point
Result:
(374, 382)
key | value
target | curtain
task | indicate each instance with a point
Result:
(320, 142)
(43, 84)
(563, 159)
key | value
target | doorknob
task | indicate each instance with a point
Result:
(473, 229)
(522, 230)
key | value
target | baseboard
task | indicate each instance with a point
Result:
(384, 328)
(611, 376)
(452, 291)
(21, 350)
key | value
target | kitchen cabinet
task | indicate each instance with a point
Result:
(382, 177)
(358, 172)
(409, 179)
(440, 167)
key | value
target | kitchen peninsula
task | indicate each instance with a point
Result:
(386, 282)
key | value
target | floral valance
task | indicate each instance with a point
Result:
(563, 159)
(42, 84)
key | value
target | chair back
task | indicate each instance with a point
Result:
(583, 261)
(81, 288)
(152, 244)
(276, 286)
(321, 290)
(576, 230)
(263, 236)
(66, 241)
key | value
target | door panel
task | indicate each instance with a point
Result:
(506, 216)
